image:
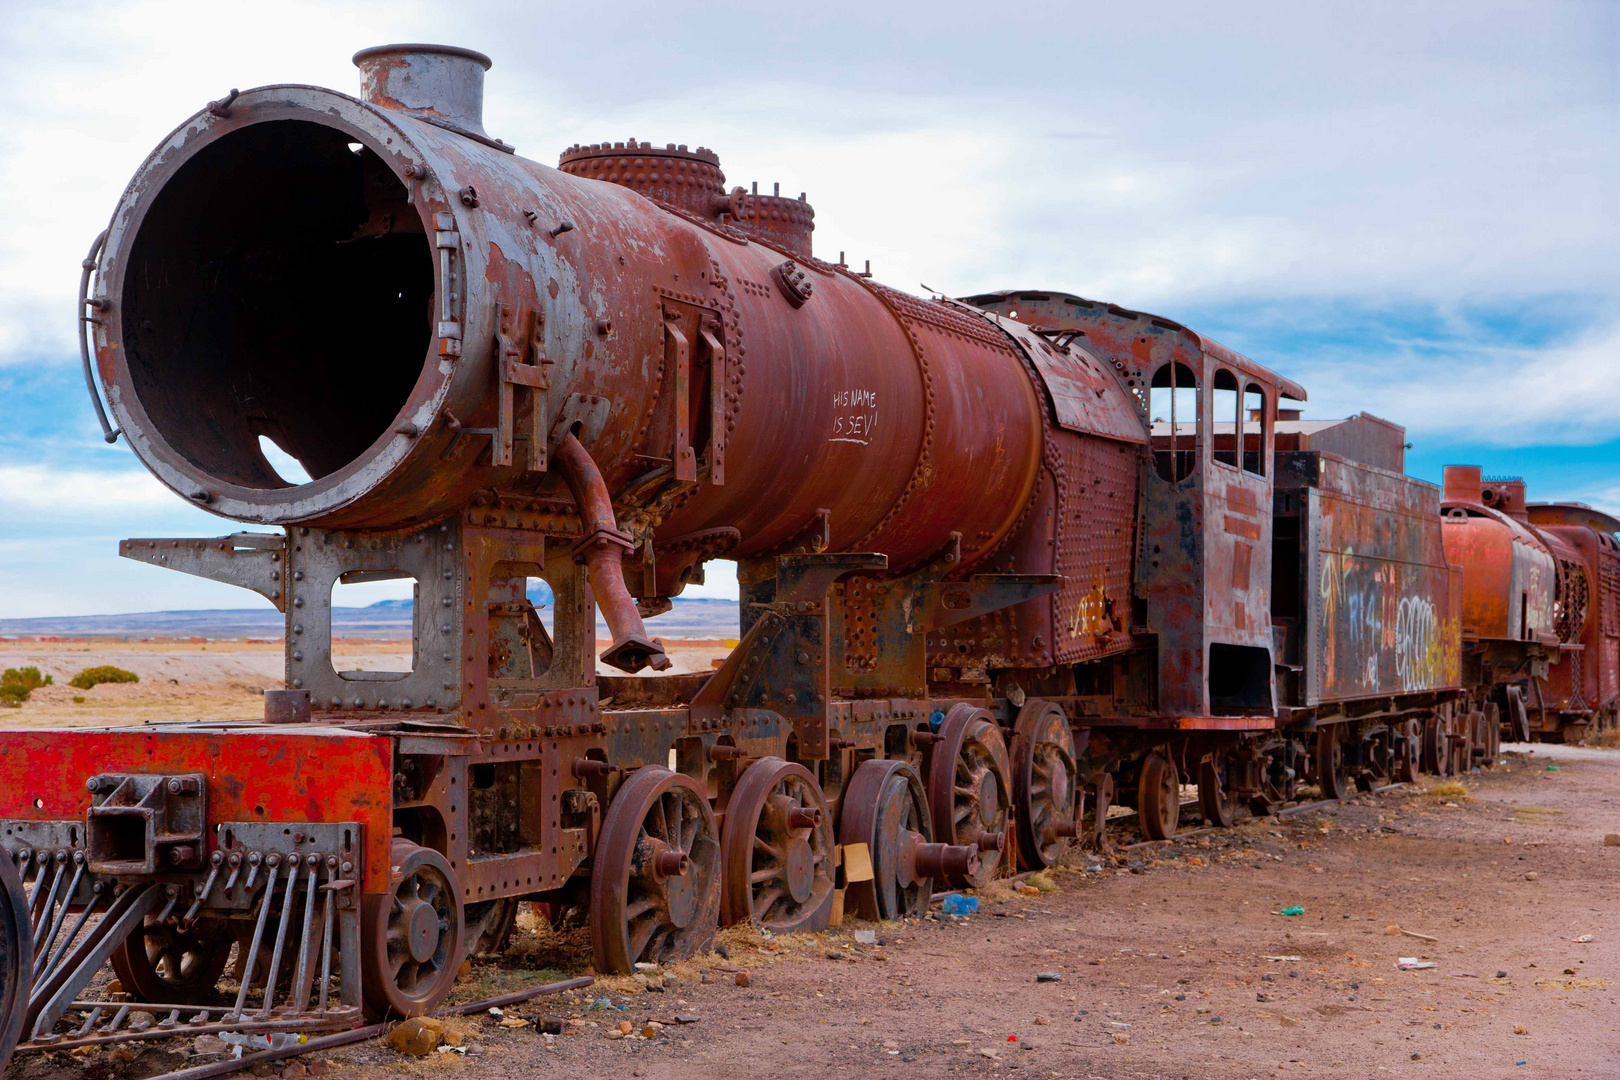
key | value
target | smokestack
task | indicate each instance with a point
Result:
(441, 84)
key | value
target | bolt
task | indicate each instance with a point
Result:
(181, 854)
(562, 227)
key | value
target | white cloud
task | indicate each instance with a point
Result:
(43, 489)
(1565, 394)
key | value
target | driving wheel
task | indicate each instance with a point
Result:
(778, 850)
(16, 956)
(968, 790)
(884, 808)
(1158, 796)
(1331, 773)
(411, 935)
(165, 964)
(489, 925)
(655, 885)
(1215, 795)
(1043, 782)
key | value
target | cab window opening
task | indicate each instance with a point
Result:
(1177, 423)
(1256, 412)
(1225, 408)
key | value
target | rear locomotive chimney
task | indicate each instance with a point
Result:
(1463, 484)
(441, 84)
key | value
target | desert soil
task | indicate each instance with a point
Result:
(216, 680)
(1174, 959)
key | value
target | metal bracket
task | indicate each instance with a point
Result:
(255, 561)
(521, 363)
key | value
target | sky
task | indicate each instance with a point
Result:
(1412, 209)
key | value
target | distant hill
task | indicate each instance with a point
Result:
(384, 620)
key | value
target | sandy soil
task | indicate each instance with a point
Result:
(1174, 963)
(218, 680)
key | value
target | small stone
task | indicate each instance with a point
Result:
(646, 968)
(722, 952)
(1531, 875)
(961, 1042)
(705, 978)
(742, 979)
(1181, 997)
(1122, 1038)
(1392, 930)
(417, 1037)
(649, 1030)
(1501, 974)
(320, 1067)
(613, 1033)
(116, 987)
(1287, 1021)
(989, 1052)
(626, 1027)
(1215, 1019)
(1261, 997)
(1520, 1029)
(294, 1070)
(464, 970)
(210, 1044)
(1042, 1021)
(1612, 840)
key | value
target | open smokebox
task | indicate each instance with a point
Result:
(142, 824)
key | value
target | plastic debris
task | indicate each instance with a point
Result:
(866, 937)
(1412, 963)
(1049, 976)
(1584, 939)
(1281, 959)
(957, 904)
(1295, 910)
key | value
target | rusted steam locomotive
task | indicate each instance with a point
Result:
(987, 580)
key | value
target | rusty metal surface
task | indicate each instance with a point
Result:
(1375, 615)
(1509, 576)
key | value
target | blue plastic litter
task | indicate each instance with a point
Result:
(957, 904)
(935, 719)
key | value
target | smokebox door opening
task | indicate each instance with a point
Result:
(280, 287)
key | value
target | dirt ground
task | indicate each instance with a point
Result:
(216, 680)
(1174, 959)
(1174, 962)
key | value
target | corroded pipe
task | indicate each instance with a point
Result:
(602, 552)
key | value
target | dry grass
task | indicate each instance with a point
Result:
(1606, 740)
(1452, 790)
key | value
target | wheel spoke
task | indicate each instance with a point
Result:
(641, 936)
(763, 902)
(759, 877)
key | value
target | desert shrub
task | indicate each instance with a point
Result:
(106, 673)
(17, 683)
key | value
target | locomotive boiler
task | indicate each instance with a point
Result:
(1002, 561)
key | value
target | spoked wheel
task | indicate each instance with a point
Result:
(1158, 796)
(1406, 752)
(1377, 763)
(411, 935)
(1278, 777)
(164, 964)
(655, 886)
(1330, 771)
(778, 848)
(489, 926)
(884, 808)
(16, 957)
(968, 790)
(1436, 747)
(1215, 796)
(1043, 783)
